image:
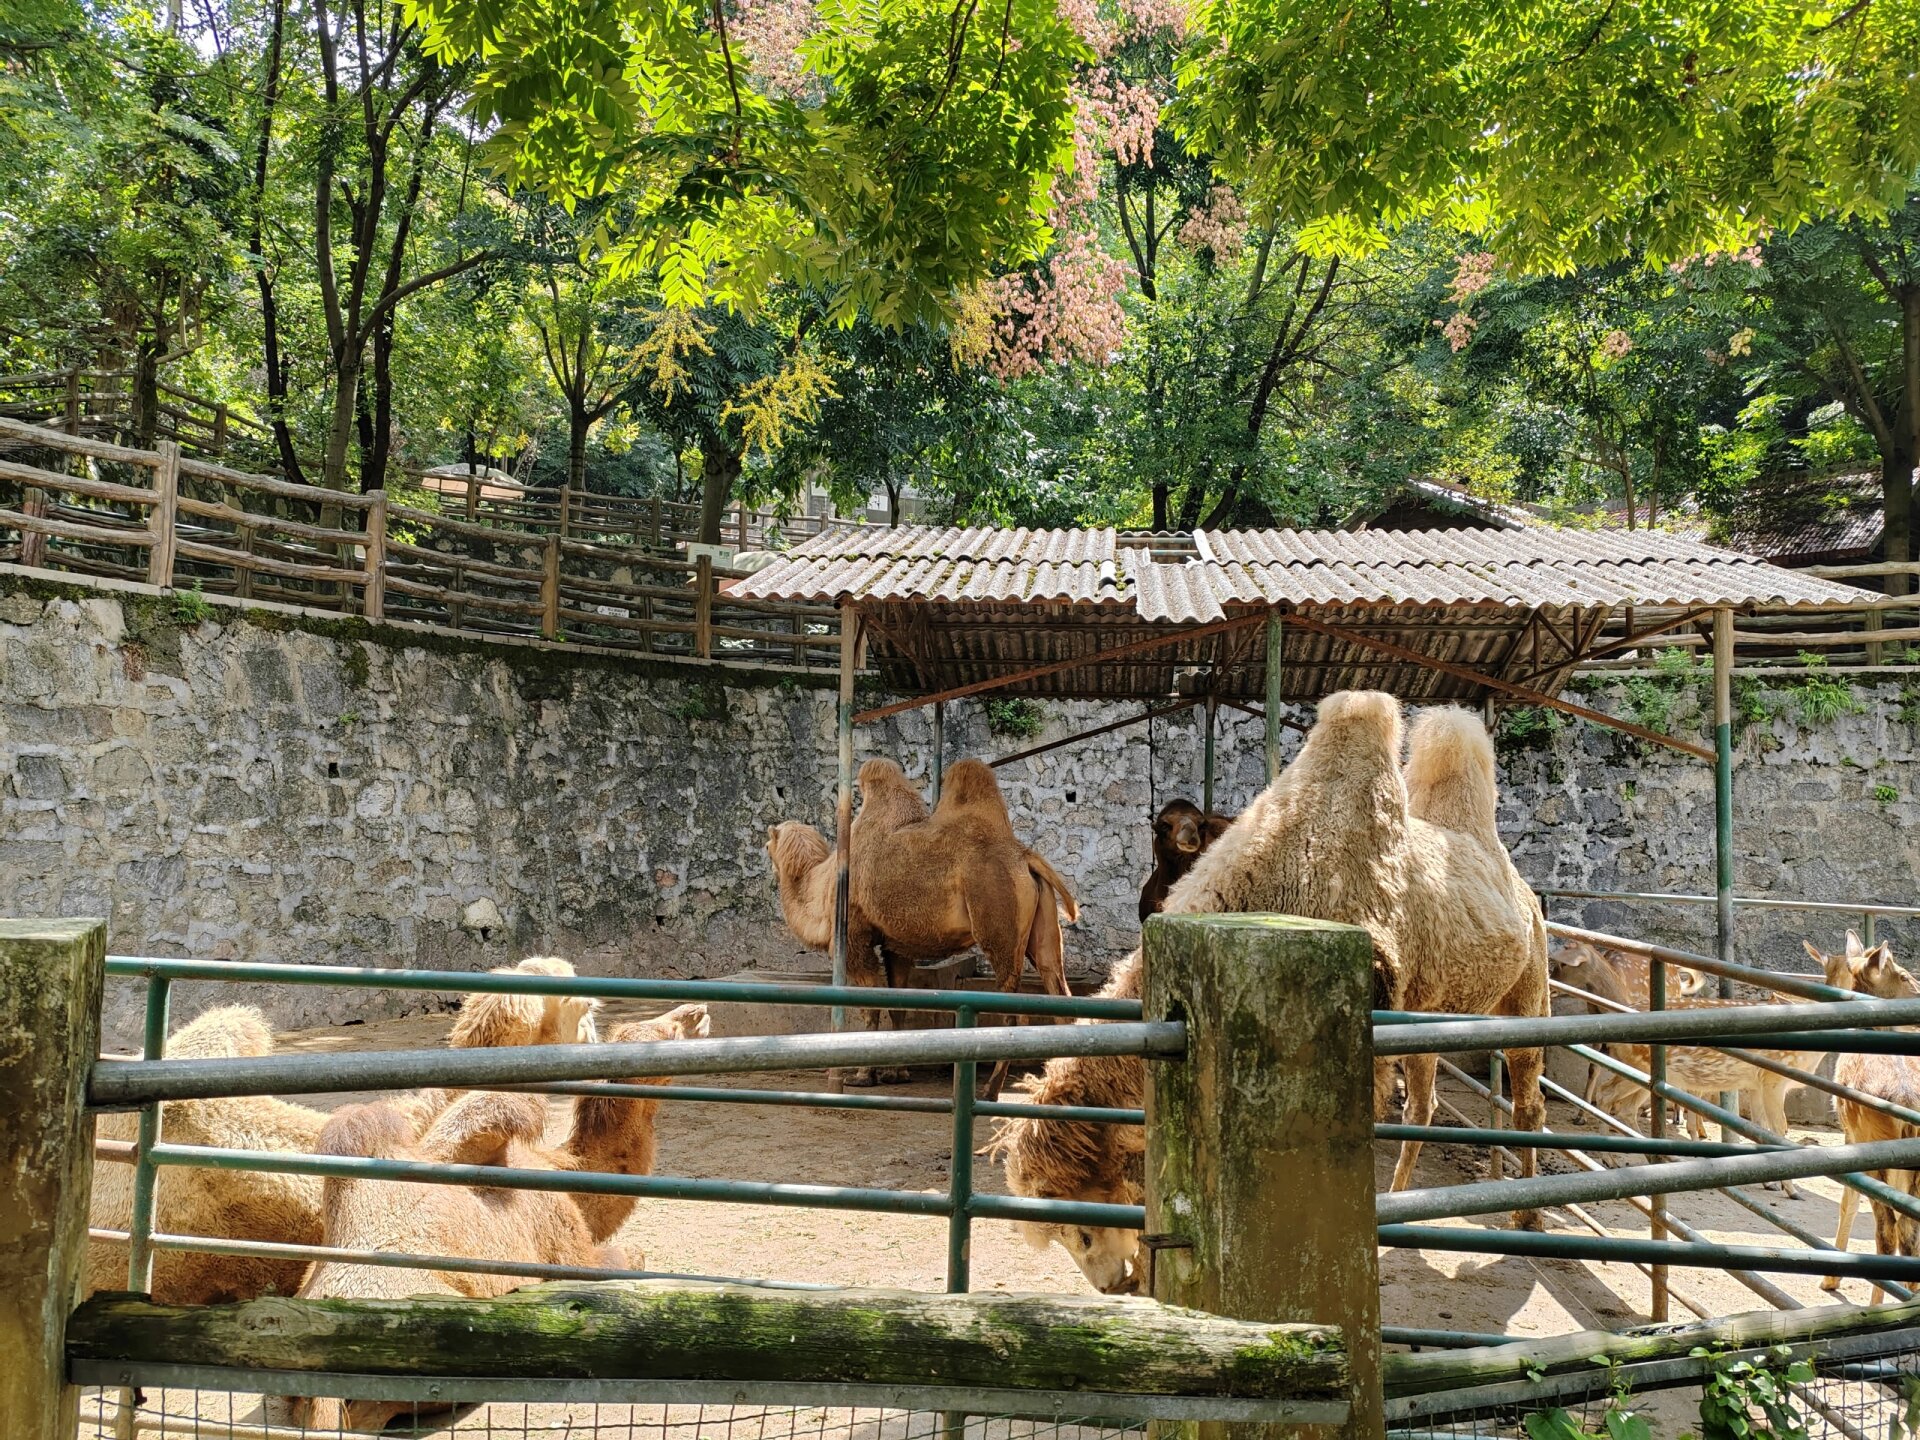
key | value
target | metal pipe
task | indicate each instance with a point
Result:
(146, 1172)
(1275, 676)
(646, 1187)
(843, 814)
(1206, 788)
(1841, 907)
(1657, 1129)
(1667, 955)
(1560, 1139)
(1667, 1177)
(618, 988)
(960, 1173)
(1771, 1026)
(1723, 791)
(823, 1100)
(939, 747)
(1713, 1256)
(120, 1084)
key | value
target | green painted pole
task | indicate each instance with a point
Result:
(1206, 787)
(960, 1174)
(843, 813)
(1276, 675)
(1723, 788)
(146, 1174)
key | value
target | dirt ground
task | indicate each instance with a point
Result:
(1512, 1296)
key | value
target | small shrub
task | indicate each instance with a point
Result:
(1820, 700)
(1751, 1399)
(1014, 719)
(1885, 795)
(190, 607)
(1528, 727)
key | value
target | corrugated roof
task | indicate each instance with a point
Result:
(1305, 570)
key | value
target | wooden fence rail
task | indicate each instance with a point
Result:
(75, 504)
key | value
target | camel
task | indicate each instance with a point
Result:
(1342, 835)
(614, 1136)
(1893, 1078)
(281, 1209)
(1181, 831)
(925, 887)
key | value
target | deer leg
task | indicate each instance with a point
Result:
(1849, 1203)
(1886, 1235)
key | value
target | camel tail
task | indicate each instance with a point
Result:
(1450, 773)
(1050, 878)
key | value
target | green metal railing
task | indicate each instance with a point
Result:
(558, 1070)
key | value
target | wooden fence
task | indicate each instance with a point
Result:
(84, 506)
(100, 404)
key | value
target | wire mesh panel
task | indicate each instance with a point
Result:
(1865, 1388)
(195, 1413)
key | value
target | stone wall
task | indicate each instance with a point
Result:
(270, 787)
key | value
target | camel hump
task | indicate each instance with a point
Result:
(972, 785)
(1048, 876)
(1450, 772)
(223, 1034)
(375, 1130)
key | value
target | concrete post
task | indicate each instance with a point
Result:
(51, 973)
(1259, 1169)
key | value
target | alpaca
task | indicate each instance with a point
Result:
(1875, 973)
(545, 1227)
(924, 888)
(1181, 831)
(1343, 835)
(282, 1209)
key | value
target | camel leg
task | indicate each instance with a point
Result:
(1849, 1203)
(864, 969)
(899, 977)
(1420, 1070)
(1524, 1068)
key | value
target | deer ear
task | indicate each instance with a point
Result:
(1854, 948)
(1877, 959)
(1819, 958)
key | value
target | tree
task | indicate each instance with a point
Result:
(1562, 132)
(909, 150)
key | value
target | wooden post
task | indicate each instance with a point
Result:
(473, 491)
(550, 591)
(51, 973)
(373, 599)
(653, 523)
(703, 607)
(165, 514)
(33, 543)
(73, 402)
(1259, 1168)
(740, 512)
(566, 508)
(939, 746)
(243, 574)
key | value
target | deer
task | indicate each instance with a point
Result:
(1872, 971)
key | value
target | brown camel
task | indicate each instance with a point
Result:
(924, 888)
(1181, 831)
(612, 1136)
(282, 1209)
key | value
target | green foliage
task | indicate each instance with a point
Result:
(1750, 1399)
(191, 607)
(1527, 727)
(1014, 719)
(932, 136)
(1565, 135)
(1820, 700)
(1885, 795)
(1751, 705)
(1619, 1420)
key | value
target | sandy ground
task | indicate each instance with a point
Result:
(1520, 1297)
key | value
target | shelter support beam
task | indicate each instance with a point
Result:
(51, 974)
(1206, 780)
(1265, 1128)
(1494, 682)
(1275, 671)
(843, 812)
(1723, 789)
(939, 747)
(1154, 714)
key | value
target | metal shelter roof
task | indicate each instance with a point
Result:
(948, 607)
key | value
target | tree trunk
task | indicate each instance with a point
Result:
(1897, 467)
(719, 469)
(375, 454)
(1160, 507)
(578, 423)
(346, 397)
(146, 393)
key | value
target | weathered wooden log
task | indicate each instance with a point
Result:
(671, 1330)
(1567, 1354)
(51, 972)
(1259, 1167)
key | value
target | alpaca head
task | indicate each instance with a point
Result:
(1870, 971)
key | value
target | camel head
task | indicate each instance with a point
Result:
(1869, 971)
(1179, 829)
(687, 1022)
(1113, 1261)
